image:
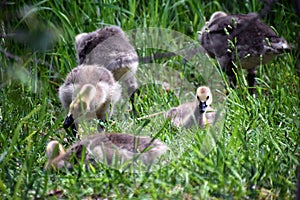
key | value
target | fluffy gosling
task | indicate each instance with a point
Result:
(198, 112)
(107, 148)
(110, 48)
(242, 39)
(89, 91)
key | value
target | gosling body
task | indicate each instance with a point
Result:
(196, 113)
(106, 148)
(110, 48)
(242, 40)
(89, 91)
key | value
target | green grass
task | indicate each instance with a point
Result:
(255, 155)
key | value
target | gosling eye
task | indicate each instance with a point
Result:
(207, 97)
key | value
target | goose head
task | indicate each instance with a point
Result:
(204, 98)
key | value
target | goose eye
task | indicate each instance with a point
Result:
(198, 98)
(207, 97)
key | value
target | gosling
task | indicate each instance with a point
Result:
(241, 40)
(110, 48)
(108, 148)
(198, 112)
(89, 91)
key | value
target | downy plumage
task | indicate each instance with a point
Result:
(242, 39)
(89, 91)
(199, 112)
(110, 48)
(109, 148)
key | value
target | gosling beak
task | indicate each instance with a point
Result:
(202, 106)
(68, 121)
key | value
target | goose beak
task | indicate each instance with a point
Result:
(202, 106)
(68, 121)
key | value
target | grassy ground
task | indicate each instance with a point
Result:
(255, 153)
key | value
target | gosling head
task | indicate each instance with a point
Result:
(53, 150)
(55, 153)
(80, 104)
(204, 97)
(216, 15)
